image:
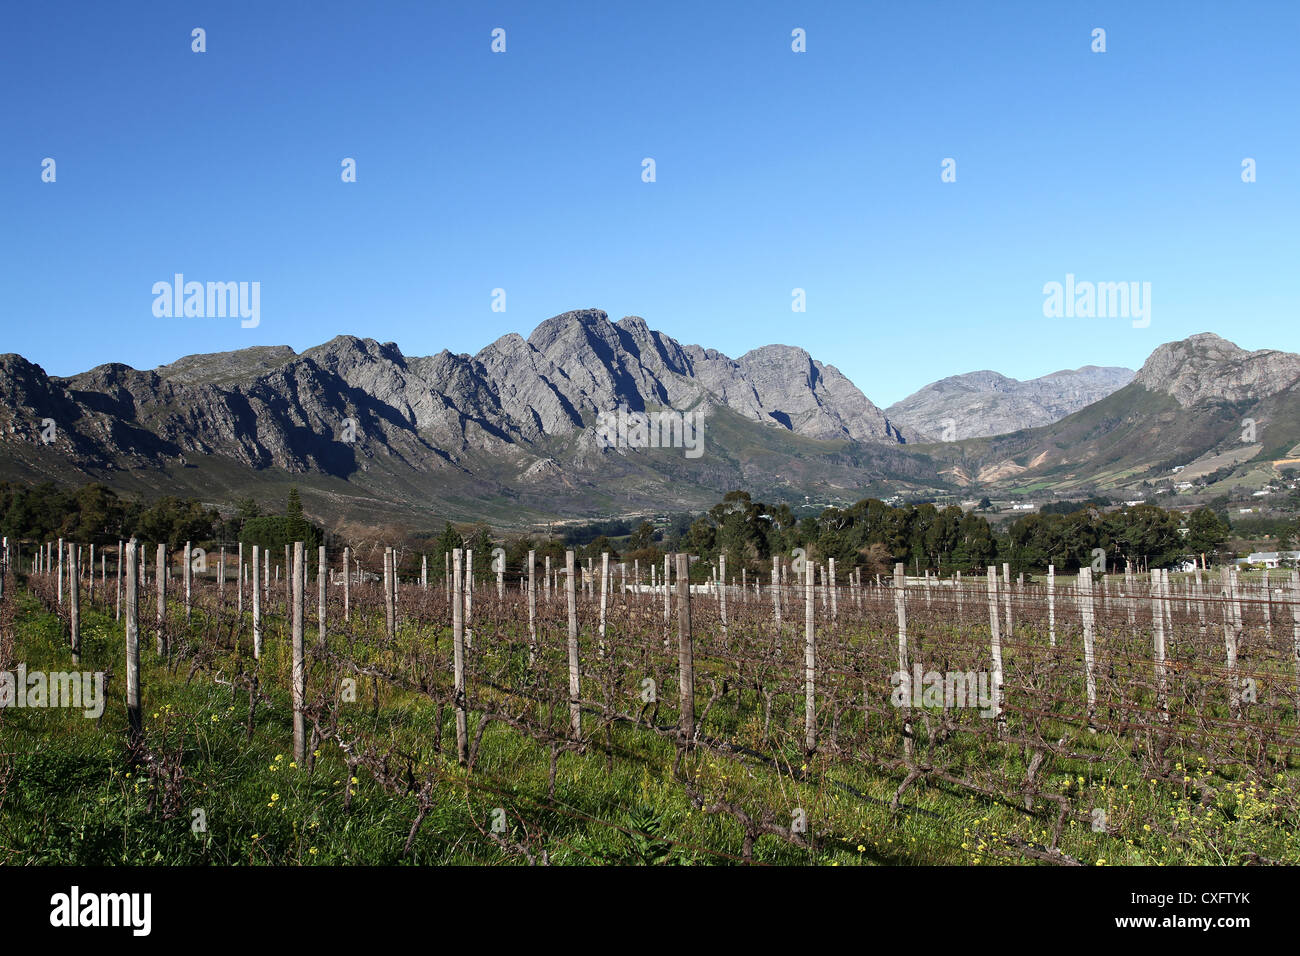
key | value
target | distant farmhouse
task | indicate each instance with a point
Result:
(1270, 559)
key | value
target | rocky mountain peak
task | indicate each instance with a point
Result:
(1204, 367)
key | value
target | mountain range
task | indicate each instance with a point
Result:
(509, 434)
(988, 403)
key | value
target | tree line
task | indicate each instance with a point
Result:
(870, 534)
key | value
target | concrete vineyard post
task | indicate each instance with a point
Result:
(667, 578)
(809, 661)
(1051, 604)
(135, 717)
(458, 656)
(390, 612)
(299, 603)
(257, 604)
(162, 600)
(1231, 634)
(532, 607)
(776, 593)
(1158, 596)
(469, 593)
(1295, 623)
(74, 600)
(722, 594)
(900, 610)
(830, 576)
(347, 584)
(575, 689)
(1200, 599)
(685, 648)
(320, 594)
(1006, 599)
(604, 596)
(1089, 657)
(995, 644)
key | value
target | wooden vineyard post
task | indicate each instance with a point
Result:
(458, 656)
(347, 584)
(575, 689)
(424, 572)
(299, 604)
(162, 600)
(240, 577)
(321, 572)
(900, 609)
(390, 612)
(60, 573)
(1089, 657)
(685, 648)
(809, 661)
(90, 583)
(221, 578)
(546, 579)
(117, 614)
(1051, 604)
(135, 717)
(995, 644)
(257, 604)
(1158, 584)
(532, 608)
(499, 562)
(74, 600)
(288, 579)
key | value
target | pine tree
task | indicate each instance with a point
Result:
(295, 525)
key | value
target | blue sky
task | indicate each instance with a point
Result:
(775, 170)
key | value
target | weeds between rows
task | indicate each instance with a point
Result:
(382, 782)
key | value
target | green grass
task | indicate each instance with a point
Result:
(71, 796)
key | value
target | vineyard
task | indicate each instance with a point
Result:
(304, 709)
